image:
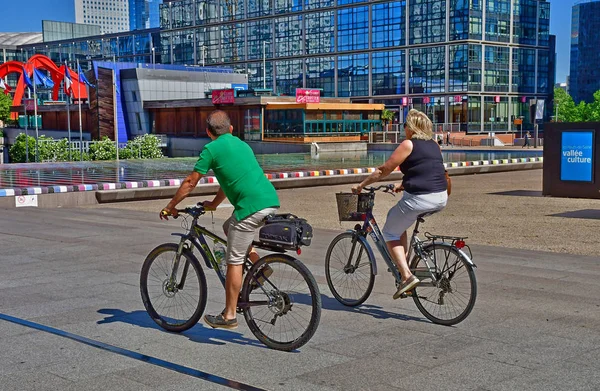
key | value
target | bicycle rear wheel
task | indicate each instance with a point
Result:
(175, 305)
(349, 269)
(450, 299)
(285, 310)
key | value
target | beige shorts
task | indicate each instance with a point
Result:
(240, 234)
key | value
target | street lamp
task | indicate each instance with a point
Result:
(153, 58)
(265, 64)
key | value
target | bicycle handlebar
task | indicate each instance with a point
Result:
(195, 211)
(386, 188)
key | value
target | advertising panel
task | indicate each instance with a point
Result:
(307, 96)
(577, 156)
(220, 97)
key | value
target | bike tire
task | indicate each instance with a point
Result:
(303, 298)
(194, 301)
(445, 302)
(349, 287)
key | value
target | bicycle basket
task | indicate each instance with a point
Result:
(352, 206)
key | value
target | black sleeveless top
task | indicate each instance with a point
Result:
(424, 169)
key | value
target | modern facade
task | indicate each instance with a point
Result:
(477, 62)
(469, 64)
(144, 14)
(111, 15)
(585, 51)
(58, 31)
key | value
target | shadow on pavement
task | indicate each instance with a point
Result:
(520, 193)
(377, 312)
(198, 333)
(591, 214)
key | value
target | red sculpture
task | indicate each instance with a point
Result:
(57, 74)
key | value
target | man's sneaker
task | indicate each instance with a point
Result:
(219, 322)
(261, 277)
(406, 286)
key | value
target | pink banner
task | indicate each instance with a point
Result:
(220, 97)
(307, 96)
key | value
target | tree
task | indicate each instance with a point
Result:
(387, 116)
(5, 104)
(565, 107)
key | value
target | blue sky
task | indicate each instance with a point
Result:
(23, 19)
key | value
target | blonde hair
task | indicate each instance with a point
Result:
(420, 125)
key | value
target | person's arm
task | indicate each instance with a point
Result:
(184, 190)
(398, 157)
(219, 197)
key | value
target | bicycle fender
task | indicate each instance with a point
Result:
(466, 257)
(369, 250)
(178, 234)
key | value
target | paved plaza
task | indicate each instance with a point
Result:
(535, 326)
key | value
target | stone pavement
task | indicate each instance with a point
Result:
(535, 326)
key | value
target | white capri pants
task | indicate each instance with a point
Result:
(405, 212)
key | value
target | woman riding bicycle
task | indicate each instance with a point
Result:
(424, 184)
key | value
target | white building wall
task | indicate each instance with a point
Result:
(111, 15)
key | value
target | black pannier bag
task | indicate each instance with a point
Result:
(286, 231)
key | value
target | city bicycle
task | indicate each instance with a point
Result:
(447, 290)
(282, 309)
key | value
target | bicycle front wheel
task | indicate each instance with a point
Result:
(349, 269)
(283, 311)
(449, 299)
(174, 302)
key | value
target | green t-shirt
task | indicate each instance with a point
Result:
(239, 175)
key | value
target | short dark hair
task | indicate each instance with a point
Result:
(218, 122)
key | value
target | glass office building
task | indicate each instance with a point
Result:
(144, 14)
(462, 61)
(585, 34)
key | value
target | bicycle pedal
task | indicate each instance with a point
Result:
(405, 295)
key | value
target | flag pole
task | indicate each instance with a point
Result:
(35, 117)
(79, 101)
(68, 114)
(116, 126)
(26, 131)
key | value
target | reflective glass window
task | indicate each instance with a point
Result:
(353, 75)
(232, 9)
(259, 32)
(287, 32)
(427, 70)
(353, 28)
(320, 73)
(496, 68)
(427, 21)
(523, 74)
(259, 8)
(388, 72)
(457, 68)
(459, 19)
(284, 6)
(320, 33)
(314, 4)
(233, 42)
(183, 47)
(475, 63)
(289, 76)
(388, 24)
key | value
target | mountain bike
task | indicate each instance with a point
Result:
(447, 290)
(282, 310)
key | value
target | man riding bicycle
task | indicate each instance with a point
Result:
(424, 184)
(243, 182)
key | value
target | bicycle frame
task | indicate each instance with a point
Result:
(371, 228)
(196, 236)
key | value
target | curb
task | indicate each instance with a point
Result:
(165, 184)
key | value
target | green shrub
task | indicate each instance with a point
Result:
(18, 149)
(104, 149)
(143, 147)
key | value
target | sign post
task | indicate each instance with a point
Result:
(539, 115)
